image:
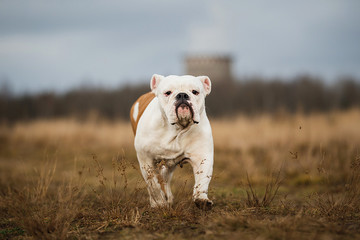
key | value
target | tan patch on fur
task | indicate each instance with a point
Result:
(143, 101)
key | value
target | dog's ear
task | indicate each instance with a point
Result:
(206, 84)
(155, 80)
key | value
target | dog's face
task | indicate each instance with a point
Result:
(181, 98)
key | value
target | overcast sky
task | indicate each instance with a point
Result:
(56, 45)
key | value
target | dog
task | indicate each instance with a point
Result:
(171, 128)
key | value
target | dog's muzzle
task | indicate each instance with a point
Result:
(184, 110)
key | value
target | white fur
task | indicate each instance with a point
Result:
(159, 139)
(136, 111)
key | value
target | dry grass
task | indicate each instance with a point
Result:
(40, 212)
(64, 179)
(343, 203)
(271, 190)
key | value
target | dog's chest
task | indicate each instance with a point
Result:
(168, 147)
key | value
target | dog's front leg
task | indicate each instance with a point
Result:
(202, 168)
(157, 180)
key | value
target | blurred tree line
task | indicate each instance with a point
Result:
(249, 96)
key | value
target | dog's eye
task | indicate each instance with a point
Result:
(167, 93)
(195, 92)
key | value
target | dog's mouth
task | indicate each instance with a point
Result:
(184, 113)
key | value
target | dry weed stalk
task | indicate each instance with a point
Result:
(271, 190)
(119, 205)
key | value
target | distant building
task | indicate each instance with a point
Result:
(218, 68)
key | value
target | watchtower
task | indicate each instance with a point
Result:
(218, 68)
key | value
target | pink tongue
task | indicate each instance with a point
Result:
(183, 111)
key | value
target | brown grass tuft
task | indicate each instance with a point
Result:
(342, 203)
(42, 213)
(271, 190)
(117, 204)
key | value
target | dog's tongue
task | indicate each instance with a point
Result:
(183, 111)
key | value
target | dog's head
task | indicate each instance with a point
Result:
(181, 98)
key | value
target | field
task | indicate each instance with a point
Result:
(275, 177)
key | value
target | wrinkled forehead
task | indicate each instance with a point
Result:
(180, 83)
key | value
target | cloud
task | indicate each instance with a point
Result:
(56, 44)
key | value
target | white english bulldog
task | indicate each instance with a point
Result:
(171, 128)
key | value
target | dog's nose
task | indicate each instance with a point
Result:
(182, 96)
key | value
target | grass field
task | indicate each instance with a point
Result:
(275, 177)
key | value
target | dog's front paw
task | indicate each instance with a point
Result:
(204, 204)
